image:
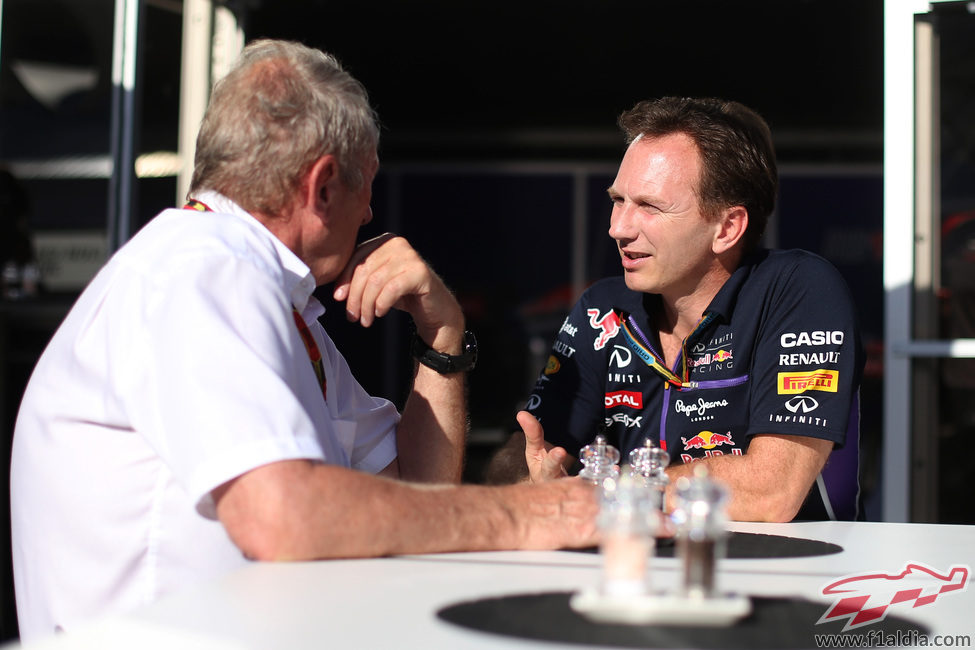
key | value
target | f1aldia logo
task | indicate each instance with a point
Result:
(866, 598)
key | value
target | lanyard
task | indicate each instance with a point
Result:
(314, 354)
(639, 343)
(199, 206)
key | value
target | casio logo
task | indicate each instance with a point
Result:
(819, 337)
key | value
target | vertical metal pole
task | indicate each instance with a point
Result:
(212, 39)
(194, 85)
(125, 53)
(924, 433)
(898, 250)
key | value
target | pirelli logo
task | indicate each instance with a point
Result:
(793, 383)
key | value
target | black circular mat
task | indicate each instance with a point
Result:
(773, 623)
(756, 546)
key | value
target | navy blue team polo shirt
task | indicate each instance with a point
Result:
(779, 353)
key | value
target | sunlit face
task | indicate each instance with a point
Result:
(665, 243)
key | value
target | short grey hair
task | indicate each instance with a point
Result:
(281, 107)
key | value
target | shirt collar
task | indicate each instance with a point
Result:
(299, 281)
(723, 303)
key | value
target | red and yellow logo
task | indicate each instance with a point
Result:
(707, 440)
(722, 355)
(793, 383)
(552, 366)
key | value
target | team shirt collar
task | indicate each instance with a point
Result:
(723, 303)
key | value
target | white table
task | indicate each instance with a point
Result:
(392, 602)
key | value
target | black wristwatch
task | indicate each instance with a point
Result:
(446, 364)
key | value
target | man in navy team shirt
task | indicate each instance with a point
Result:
(747, 360)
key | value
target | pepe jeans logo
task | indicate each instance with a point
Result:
(864, 599)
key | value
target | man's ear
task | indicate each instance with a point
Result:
(731, 228)
(320, 183)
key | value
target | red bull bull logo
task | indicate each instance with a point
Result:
(608, 326)
(707, 359)
(707, 440)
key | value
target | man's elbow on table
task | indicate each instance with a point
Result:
(770, 482)
(771, 508)
(269, 512)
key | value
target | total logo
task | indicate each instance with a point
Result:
(608, 326)
(629, 398)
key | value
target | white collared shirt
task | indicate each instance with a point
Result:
(178, 368)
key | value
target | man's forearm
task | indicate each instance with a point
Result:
(431, 435)
(769, 482)
(302, 510)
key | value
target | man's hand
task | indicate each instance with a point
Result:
(545, 462)
(386, 272)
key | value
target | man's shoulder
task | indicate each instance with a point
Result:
(779, 259)
(180, 235)
(793, 265)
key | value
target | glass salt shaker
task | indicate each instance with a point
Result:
(701, 529)
(600, 461)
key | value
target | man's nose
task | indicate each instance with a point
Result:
(621, 223)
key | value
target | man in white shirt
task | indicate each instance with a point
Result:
(191, 412)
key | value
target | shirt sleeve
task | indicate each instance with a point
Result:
(808, 357)
(568, 395)
(368, 422)
(219, 382)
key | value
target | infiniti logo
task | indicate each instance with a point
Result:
(617, 356)
(803, 402)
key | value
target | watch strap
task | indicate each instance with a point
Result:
(444, 363)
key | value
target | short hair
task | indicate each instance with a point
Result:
(281, 107)
(737, 156)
